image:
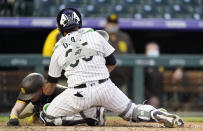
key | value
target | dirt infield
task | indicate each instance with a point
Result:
(112, 125)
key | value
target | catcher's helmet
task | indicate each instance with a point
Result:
(68, 18)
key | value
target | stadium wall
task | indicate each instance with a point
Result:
(29, 40)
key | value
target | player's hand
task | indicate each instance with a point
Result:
(13, 122)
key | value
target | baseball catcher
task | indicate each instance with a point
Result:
(88, 59)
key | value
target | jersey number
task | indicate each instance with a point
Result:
(77, 61)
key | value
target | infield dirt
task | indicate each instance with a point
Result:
(112, 125)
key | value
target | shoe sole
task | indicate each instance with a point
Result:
(169, 120)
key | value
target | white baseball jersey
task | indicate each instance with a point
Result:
(85, 69)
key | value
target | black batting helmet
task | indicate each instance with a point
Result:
(68, 18)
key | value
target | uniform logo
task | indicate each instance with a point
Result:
(64, 20)
(75, 18)
(78, 52)
(71, 16)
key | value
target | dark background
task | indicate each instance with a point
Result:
(171, 41)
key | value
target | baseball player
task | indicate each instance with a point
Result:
(31, 100)
(87, 59)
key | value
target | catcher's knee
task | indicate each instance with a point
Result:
(47, 120)
(63, 120)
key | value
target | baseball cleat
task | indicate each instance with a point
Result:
(101, 116)
(169, 120)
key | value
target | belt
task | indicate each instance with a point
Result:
(84, 85)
